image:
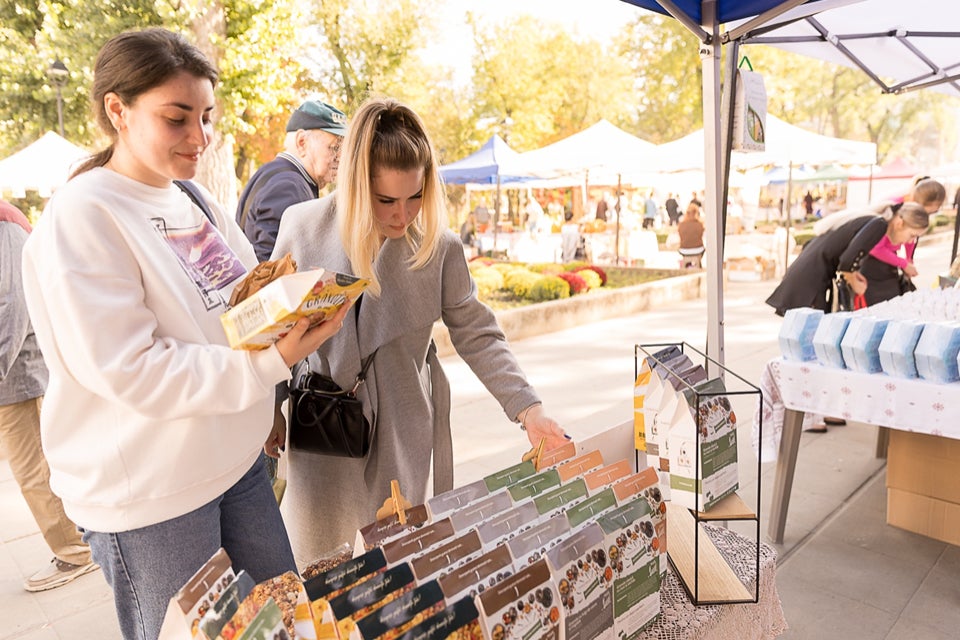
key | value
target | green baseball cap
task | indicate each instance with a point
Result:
(314, 114)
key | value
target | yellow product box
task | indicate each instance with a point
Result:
(266, 316)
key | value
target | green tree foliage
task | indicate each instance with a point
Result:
(665, 64)
(535, 84)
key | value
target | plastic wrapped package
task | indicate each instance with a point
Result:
(937, 350)
(897, 347)
(796, 333)
(861, 343)
(827, 338)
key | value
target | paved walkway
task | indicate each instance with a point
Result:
(843, 572)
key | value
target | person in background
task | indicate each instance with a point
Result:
(602, 206)
(468, 232)
(673, 209)
(650, 211)
(386, 222)
(153, 427)
(808, 203)
(23, 380)
(308, 162)
(569, 238)
(690, 230)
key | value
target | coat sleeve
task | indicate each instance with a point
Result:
(13, 309)
(865, 239)
(281, 191)
(477, 336)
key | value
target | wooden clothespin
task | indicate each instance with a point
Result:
(535, 454)
(396, 504)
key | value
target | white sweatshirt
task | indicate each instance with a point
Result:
(148, 415)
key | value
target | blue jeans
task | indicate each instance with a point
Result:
(146, 567)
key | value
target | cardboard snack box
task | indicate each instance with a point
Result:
(467, 517)
(589, 509)
(267, 624)
(525, 605)
(335, 581)
(266, 316)
(605, 476)
(442, 559)
(556, 501)
(580, 465)
(633, 567)
(212, 623)
(642, 390)
(550, 459)
(506, 525)
(196, 597)
(645, 485)
(449, 501)
(478, 575)
(389, 528)
(511, 475)
(406, 547)
(579, 566)
(532, 545)
(534, 485)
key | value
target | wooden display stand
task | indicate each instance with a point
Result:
(704, 573)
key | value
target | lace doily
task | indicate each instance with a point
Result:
(681, 620)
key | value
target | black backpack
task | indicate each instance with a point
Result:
(194, 194)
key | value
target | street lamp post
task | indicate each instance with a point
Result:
(58, 75)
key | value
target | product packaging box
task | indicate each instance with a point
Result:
(645, 485)
(449, 501)
(511, 475)
(363, 599)
(589, 509)
(632, 545)
(331, 583)
(827, 338)
(264, 317)
(478, 575)
(532, 545)
(405, 547)
(441, 559)
(897, 347)
(287, 592)
(505, 526)
(396, 618)
(937, 351)
(458, 621)
(605, 476)
(796, 333)
(267, 624)
(194, 599)
(700, 486)
(534, 485)
(861, 343)
(584, 582)
(580, 465)
(524, 606)
(924, 464)
(224, 608)
(642, 390)
(470, 515)
(557, 501)
(386, 529)
(550, 459)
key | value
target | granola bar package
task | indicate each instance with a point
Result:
(525, 605)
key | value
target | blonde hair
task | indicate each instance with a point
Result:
(386, 134)
(914, 215)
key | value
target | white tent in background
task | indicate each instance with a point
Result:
(601, 154)
(786, 144)
(42, 166)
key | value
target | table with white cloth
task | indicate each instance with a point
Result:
(906, 404)
(681, 620)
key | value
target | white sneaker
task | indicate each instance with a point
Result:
(56, 574)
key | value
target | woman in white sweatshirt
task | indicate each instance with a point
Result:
(153, 427)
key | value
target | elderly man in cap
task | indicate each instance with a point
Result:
(307, 163)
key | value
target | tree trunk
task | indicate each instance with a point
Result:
(216, 169)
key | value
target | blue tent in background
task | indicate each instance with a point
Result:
(494, 162)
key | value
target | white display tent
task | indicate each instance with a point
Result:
(42, 166)
(602, 154)
(786, 144)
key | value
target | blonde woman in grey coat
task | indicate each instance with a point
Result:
(386, 222)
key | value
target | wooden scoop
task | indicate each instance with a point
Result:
(396, 504)
(535, 454)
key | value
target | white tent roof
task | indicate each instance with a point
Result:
(42, 166)
(602, 152)
(785, 143)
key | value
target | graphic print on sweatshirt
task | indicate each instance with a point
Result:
(207, 260)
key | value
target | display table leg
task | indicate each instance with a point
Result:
(883, 441)
(783, 480)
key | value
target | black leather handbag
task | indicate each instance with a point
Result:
(327, 419)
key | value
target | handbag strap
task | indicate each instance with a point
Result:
(363, 373)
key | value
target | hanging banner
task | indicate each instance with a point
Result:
(749, 111)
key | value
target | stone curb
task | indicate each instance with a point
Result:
(593, 306)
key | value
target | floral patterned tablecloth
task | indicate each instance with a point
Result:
(907, 404)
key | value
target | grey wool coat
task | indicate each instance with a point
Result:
(406, 395)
